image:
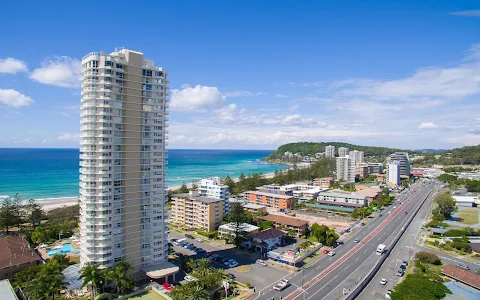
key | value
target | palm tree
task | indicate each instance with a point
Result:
(48, 282)
(190, 265)
(197, 292)
(120, 276)
(92, 274)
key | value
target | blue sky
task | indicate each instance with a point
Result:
(255, 74)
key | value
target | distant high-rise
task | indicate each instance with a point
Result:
(123, 158)
(393, 172)
(213, 188)
(345, 169)
(342, 151)
(404, 161)
(357, 156)
(329, 151)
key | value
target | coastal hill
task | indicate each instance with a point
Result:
(468, 155)
(307, 148)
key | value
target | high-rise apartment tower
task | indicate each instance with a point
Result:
(123, 160)
(329, 151)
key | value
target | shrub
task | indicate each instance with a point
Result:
(428, 257)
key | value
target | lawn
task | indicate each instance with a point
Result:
(150, 295)
(469, 216)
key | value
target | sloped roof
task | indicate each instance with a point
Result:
(284, 220)
(270, 233)
(470, 278)
(15, 250)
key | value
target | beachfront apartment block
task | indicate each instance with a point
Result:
(213, 188)
(342, 151)
(329, 151)
(345, 169)
(123, 161)
(193, 211)
(278, 201)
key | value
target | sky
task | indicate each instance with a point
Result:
(255, 74)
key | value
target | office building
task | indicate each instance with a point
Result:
(213, 188)
(345, 169)
(329, 151)
(404, 161)
(342, 151)
(123, 162)
(357, 156)
(192, 211)
(393, 173)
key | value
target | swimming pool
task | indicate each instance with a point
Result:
(63, 249)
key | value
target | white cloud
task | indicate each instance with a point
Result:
(291, 82)
(281, 96)
(427, 125)
(467, 13)
(11, 65)
(60, 71)
(185, 85)
(242, 93)
(196, 98)
(66, 136)
(13, 98)
(44, 141)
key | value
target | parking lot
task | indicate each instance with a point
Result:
(248, 270)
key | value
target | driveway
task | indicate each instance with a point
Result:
(247, 271)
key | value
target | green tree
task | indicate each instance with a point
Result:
(445, 204)
(183, 188)
(48, 282)
(22, 278)
(91, 274)
(265, 225)
(428, 257)
(8, 217)
(416, 286)
(238, 218)
(33, 212)
(241, 177)
(228, 181)
(120, 275)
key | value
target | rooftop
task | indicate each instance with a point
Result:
(284, 220)
(245, 227)
(469, 278)
(253, 206)
(196, 198)
(340, 204)
(269, 194)
(15, 250)
(341, 194)
(6, 291)
(270, 233)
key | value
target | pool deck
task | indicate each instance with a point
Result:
(75, 245)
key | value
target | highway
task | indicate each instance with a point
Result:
(328, 276)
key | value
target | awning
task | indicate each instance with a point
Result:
(160, 270)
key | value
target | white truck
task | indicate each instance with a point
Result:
(380, 249)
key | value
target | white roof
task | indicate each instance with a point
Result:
(253, 206)
(469, 199)
(160, 270)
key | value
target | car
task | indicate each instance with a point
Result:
(394, 206)
(331, 253)
(356, 241)
(189, 278)
(325, 251)
(387, 294)
(200, 240)
(212, 257)
(189, 236)
(232, 264)
(281, 285)
(362, 224)
(383, 281)
(405, 212)
(477, 263)
(404, 263)
(463, 266)
(168, 286)
(380, 215)
(200, 251)
(223, 260)
(400, 272)
(261, 262)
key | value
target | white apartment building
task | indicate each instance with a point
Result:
(213, 188)
(357, 156)
(403, 159)
(342, 198)
(123, 161)
(330, 151)
(393, 172)
(345, 169)
(342, 151)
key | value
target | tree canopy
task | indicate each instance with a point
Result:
(417, 286)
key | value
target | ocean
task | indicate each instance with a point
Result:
(54, 173)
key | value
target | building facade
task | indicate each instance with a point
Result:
(393, 173)
(403, 160)
(123, 160)
(329, 151)
(193, 211)
(357, 156)
(277, 201)
(342, 151)
(213, 188)
(345, 169)
(342, 198)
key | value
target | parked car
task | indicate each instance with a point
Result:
(383, 281)
(463, 266)
(477, 263)
(400, 272)
(331, 253)
(356, 241)
(325, 251)
(261, 262)
(200, 240)
(404, 263)
(281, 285)
(189, 278)
(387, 295)
(232, 264)
(189, 236)
(168, 287)
(223, 259)
(201, 251)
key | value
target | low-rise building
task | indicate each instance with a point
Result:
(287, 223)
(255, 208)
(15, 255)
(371, 192)
(464, 276)
(268, 239)
(342, 198)
(272, 200)
(227, 231)
(194, 211)
(6, 290)
(324, 182)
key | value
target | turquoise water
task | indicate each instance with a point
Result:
(53, 173)
(65, 248)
